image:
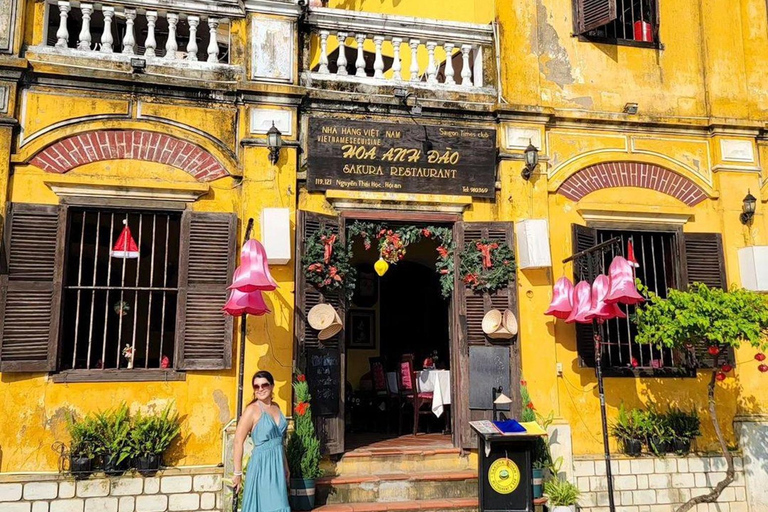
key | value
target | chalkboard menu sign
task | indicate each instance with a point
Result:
(488, 369)
(401, 158)
(324, 378)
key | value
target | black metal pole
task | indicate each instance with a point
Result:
(243, 326)
(601, 391)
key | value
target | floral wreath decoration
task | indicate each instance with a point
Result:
(326, 263)
(487, 265)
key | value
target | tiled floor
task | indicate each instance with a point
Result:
(376, 442)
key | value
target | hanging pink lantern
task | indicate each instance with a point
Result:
(582, 302)
(251, 303)
(622, 289)
(600, 309)
(253, 272)
(562, 299)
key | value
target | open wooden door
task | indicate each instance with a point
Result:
(322, 361)
(470, 347)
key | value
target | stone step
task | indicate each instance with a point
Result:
(397, 487)
(436, 505)
(384, 461)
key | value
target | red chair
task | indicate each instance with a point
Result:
(407, 379)
(380, 387)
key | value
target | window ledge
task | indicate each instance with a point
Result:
(675, 373)
(135, 375)
(621, 42)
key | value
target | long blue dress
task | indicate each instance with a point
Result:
(265, 487)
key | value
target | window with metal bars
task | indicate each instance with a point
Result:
(632, 22)
(658, 262)
(120, 313)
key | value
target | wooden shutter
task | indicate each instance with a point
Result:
(30, 300)
(592, 14)
(330, 429)
(206, 264)
(583, 239)
(469, 308)
(704, 262)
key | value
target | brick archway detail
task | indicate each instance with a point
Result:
(631, 174)
(96, 146)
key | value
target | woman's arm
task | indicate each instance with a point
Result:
(244, 426)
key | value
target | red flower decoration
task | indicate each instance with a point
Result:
(727, 368)
(720, 376)
(301, 377)
(523, 383)
(530, 405)
(763, 368)
(442, 251)
(427, 233)
(760, 356)
(301, 408)
(635, 363)
(713, 350)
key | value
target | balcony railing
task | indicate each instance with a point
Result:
(385, 49)
(122, 32)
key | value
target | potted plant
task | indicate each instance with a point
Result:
(630, 430)
(303, 450)
(150, 437)
(112, 438)
(562, 495)
(685, 426)
(82, 435)
(660, 435)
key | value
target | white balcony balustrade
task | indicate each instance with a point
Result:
(398, 50)
(101, 29)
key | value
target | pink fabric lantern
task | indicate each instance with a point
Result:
(253, 273)
(251, 303)
(600, 309)
(582, 302)
(562, 299)
(622, 289)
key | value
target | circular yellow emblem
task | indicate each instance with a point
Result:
(504, 476)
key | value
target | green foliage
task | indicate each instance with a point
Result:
(83, 435)
(631, 425)
(703, 315)
(684, 425)
(334, 275)
(542, 457)
(303, 450)
(481, 279)
(113, 434)
(153, 434)
(561, 493)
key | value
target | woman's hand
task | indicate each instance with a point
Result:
(237, 482)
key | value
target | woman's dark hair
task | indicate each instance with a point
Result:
(263, 374)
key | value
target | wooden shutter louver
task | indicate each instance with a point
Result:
(705, 263)
(470, 308)
(592, 14)
(30, 304)
(207, 261)
(583, 239)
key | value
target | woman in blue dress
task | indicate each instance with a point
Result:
(266, 482)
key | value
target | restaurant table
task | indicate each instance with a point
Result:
(438, 382)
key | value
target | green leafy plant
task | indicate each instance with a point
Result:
(632, 425)
(660, 435)
(303, 450)
(113, 435)
(487, 265)
(153, 434)
(561, 493)
(83, 435)
(542, 456)
(713, 318)
(684, 425)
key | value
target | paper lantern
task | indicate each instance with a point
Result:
(601, 310)
(582, 303)
(622, 289)
(253, 272)
(562, 299)
(381, 267)
(251, 303)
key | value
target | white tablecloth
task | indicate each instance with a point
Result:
(436, 381)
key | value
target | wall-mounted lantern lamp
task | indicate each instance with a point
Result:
(748, 208)
(531, 161)
(274, 142)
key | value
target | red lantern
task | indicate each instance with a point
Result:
(760, 356)
(562, 299)
(720, 376)
(726, 368)
(713, 350)
(763, 368)
(253, 272)
(600, 310)
(622, 288)
(582, 302)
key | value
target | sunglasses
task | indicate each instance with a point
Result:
(262, 387)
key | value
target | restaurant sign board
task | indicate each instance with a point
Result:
(403, 158)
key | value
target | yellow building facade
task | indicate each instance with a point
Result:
(661, 133)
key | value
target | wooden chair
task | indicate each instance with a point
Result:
(380, 387)
(409, 392)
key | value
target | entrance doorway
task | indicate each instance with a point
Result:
(398, 338)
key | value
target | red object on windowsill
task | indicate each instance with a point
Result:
(643, 31)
